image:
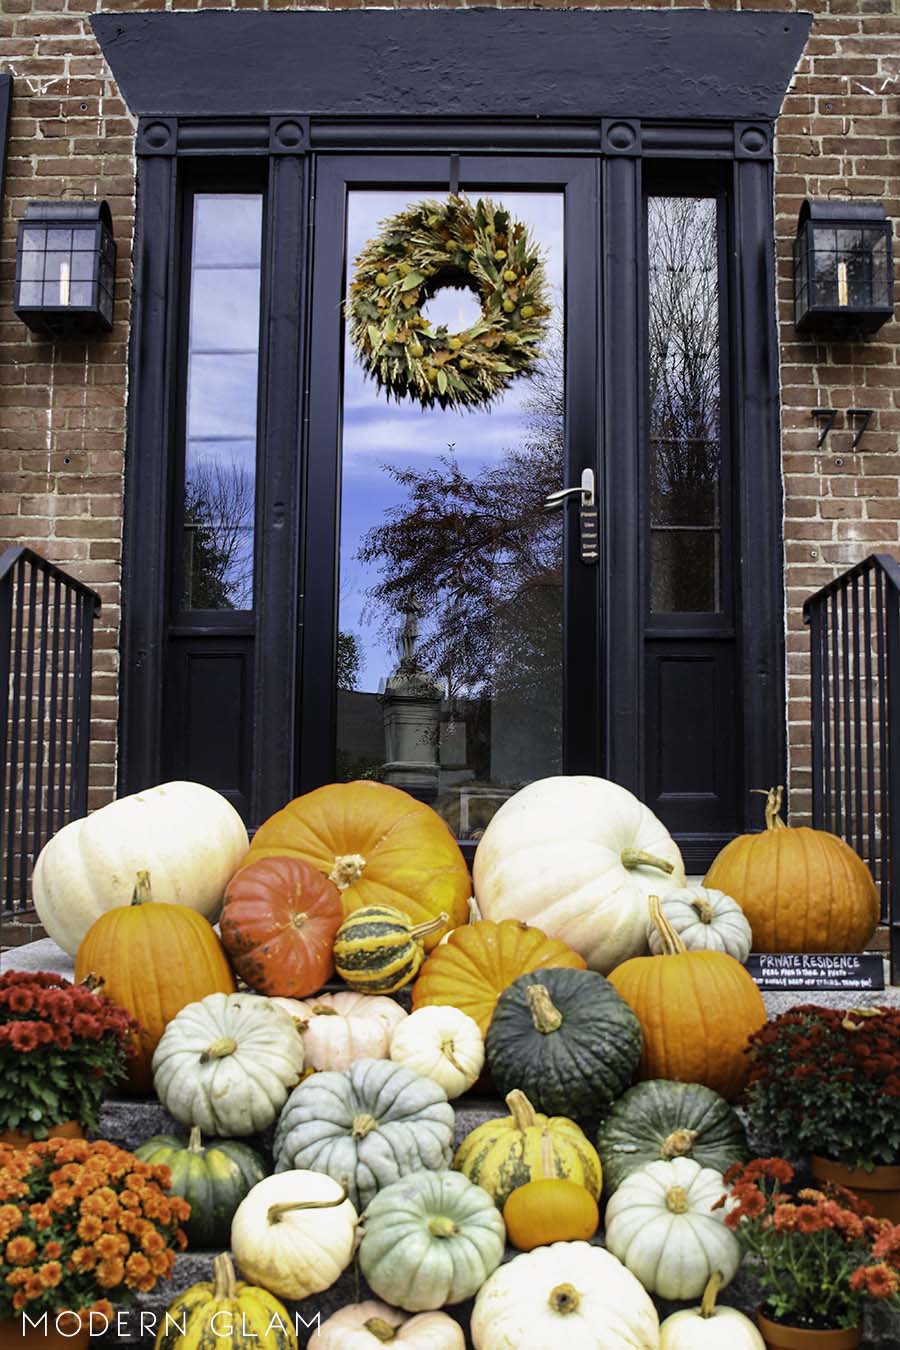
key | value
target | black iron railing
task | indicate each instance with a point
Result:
(854, 625)
(46, 645)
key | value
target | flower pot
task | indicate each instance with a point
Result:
(17, 1334)
(880, 1188)
(777, 1336)
(68, 1129)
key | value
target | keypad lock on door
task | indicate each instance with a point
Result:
(588, 514)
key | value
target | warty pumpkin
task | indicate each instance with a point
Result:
(369, 1325)
(472, 966)
(153, 960)
(377, 949)
(213, 1178)
(802, 890)
(378, 845)
(278, 925)
(549, 1208)
(247, 1317)
(188, 837)
(697, 1011)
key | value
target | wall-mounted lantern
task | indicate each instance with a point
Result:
(843, 268)
(65, 268)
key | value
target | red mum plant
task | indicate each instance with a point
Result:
(82, 1226)
(62, 1047)
(818, 1254)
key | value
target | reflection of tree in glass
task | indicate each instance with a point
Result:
(218, 535)
(349, 660)
(684, 359)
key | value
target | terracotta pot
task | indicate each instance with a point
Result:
(881, 1188)
(69, 1129)
(16, 1334)
(777, 1336)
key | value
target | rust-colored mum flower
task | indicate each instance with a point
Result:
(50, 1274)
(20, 1251)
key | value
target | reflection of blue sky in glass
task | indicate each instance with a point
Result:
(377, 432)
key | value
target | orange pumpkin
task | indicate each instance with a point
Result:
(378, 845)
(278, 925)
(549, 1209)
(697, 1011)
(477, 962)
(802, 890)
(153, 960)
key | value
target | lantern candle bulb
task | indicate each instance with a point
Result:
(843, 295)
(64, 274)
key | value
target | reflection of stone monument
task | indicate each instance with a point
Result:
(412, 712)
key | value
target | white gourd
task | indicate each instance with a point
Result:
(369, 1325)
(443, 1044)
(187, 836)
(709, 1327)
(294, 1234)
(569, 1296)
(661, 1225)
(227, 1064)
(705, 920)
(579, 858)
(339, 1029)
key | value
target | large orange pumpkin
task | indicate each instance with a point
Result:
(802, 890)
(477, 962)
(378, 845)
(153, 960)
(278, 925)
(697, 1011)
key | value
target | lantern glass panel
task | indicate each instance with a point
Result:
(81, 293)
(31, 267)
(34, 239)
(31, 293)
(59, 239)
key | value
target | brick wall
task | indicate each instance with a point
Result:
(62, 406)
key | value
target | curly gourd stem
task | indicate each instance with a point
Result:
(671, 943)
(679, 1144)
(705, 911)
(448, 1050)
(195, 1143)
(544, 1013)
(381, 1330)
(564, 1298)
(521, 1110)
(226, 1045)
(548, 1157)
(223, 1274)
(422, 930)
(276, 1211)
(141, 893)
(773, 806)
(636, 857)
(711, 1293)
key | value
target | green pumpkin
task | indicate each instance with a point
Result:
(567, 1039)
(213, 1179)
(430, 1240)
(365, 1127)
(659, 1120)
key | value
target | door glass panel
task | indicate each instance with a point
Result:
(450, 642)
(685, 460)
(222, 378)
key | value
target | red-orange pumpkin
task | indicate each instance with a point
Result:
(278, 925)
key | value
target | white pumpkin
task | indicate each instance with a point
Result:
(227, 1064)
(366, 1326)
(294, 1233)
(579, 858)
(709, 1327)
(705, 920)
(568, 1295)
(339, 1029)
(188, 837)
(443, 1044)
(661, 1225)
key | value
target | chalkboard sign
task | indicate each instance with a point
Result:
(826, 970)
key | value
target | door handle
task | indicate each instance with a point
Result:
(588, 514)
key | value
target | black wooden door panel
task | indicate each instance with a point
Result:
(210, 713)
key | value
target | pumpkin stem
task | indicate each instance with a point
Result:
(219, 1049)
(705, 911)
(223, 1274)
(93, 983)
(564, 1299)
(348, 868)
(671, 943)
(521, 1110)
(677, 1200)
(363, 1124)
(679, 1144)
(298, 920)
(773, 806)
(141, 893)
(381, 1330)
(195, 1144)
(636, 857)
(422, 930)
(440, 1226)
(544, 1014)
(276, 1211)
(710, 1294)
(323, 1010)
(548, 1157)
(448, 1050)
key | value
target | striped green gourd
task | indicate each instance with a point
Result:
(213, 1179)
(377, 949)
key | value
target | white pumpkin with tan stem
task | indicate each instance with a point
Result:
(579, 857)
(339, 1029)
(188, 837)
(709, 1327)
(294, 1233)
(366, 1326)
(567, 1294)
(705, 920)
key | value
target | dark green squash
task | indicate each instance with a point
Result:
(567, 1039)
(213, 1179)
(664, 1120)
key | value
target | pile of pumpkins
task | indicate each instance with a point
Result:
(598, 994)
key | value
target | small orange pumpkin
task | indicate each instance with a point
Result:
(153, 959)
(697, 1011)
(378, 845)
(549, 1209)
(478, 961)
(802, 890)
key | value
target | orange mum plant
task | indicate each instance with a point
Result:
(82, 1225)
